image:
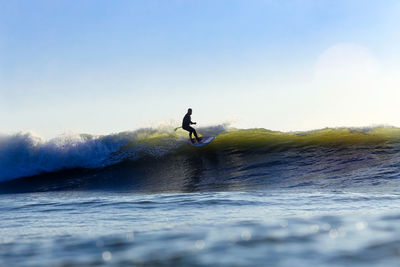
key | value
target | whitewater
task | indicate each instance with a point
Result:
(327, 197)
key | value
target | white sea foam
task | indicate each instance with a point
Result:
(24, 154)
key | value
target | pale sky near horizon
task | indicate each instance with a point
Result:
(109, 66)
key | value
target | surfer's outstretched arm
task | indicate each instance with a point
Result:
(190, 121)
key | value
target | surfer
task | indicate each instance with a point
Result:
(186, 126)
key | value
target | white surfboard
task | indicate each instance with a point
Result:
(204, 141)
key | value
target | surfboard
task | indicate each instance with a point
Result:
(204, 141)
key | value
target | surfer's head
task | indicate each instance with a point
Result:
(190, 111)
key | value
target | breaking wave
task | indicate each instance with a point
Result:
(24, 154)
(255, 156)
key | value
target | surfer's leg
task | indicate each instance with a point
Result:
(190, 137)
(195, 135)
(193, 131)
(190, 130)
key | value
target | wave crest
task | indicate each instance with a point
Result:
(24, 154)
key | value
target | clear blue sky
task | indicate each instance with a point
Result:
(109, 66)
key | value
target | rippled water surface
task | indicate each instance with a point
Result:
(279, 227)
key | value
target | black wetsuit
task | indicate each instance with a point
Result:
(186, 126)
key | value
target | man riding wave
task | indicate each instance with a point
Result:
(186, 126)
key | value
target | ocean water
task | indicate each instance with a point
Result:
(253, 197)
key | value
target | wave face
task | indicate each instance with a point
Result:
(161, 160)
